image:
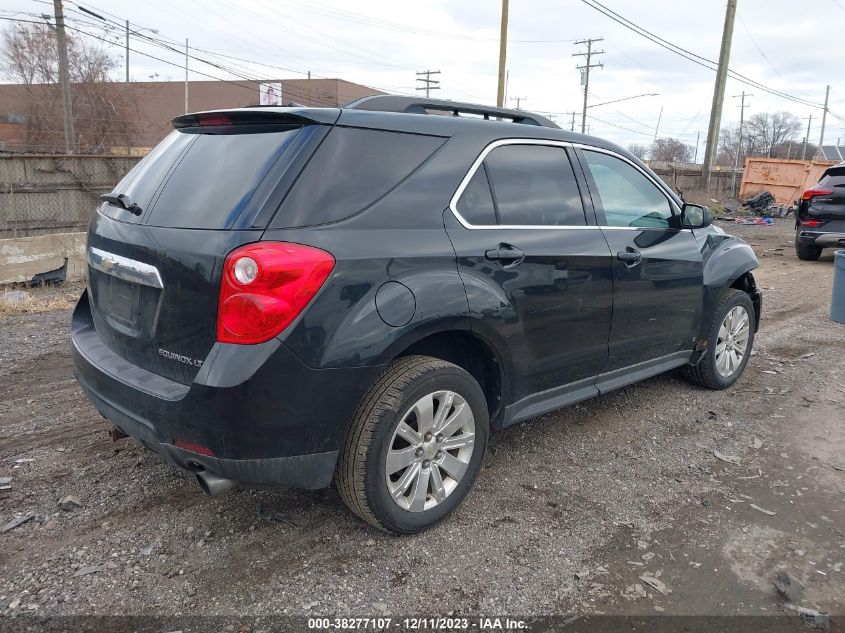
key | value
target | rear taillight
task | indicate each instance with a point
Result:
(812, 222)
(265, 286)
(817, 191)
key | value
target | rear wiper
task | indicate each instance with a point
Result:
(122, 200)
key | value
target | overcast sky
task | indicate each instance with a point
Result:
(787, 45)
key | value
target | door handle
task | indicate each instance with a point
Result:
(505, 254)
(630, 256)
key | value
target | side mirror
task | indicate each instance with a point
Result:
(695, 216)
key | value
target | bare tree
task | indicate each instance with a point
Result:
(103, 110)
(639, 150)
(730, 150)
(772, 130)
(670, 150)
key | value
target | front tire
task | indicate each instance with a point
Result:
(807, 252)
(415, 445)
(730, 340)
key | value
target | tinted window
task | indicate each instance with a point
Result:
(476, 203)
(534, 185)
(350, 171)
(213, 178)
(628, 197)
(144, 179)
(834, 177)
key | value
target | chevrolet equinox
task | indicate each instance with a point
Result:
(295, 296)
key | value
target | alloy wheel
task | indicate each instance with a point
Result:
(732, 343)
(430, 451)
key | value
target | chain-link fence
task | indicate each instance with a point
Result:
(54, 194)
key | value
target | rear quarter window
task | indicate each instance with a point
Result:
(351, 170)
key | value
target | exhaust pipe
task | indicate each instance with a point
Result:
(213, 485)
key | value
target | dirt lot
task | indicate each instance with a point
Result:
(570, 511)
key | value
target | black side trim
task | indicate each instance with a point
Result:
(549, 400)
(627, 375)
(559, 397)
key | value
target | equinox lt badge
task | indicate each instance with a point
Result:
(182, 359)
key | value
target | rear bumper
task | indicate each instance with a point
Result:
(266, 418)
(818, 238)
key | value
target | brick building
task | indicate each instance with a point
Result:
(155, 103)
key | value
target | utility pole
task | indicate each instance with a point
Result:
(429, 84)
(719, 93)
(739, 146)
(824, 115)
(64, 77)
(519, 100)
(585, 73)
(127, 51)
(507, 82)
(186, 75)
(697, 138)
(503, 53)
(657, 127)
(572, 125)
(807, 138)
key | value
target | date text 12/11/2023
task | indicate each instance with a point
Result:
(418, 624)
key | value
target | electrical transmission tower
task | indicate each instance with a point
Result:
(429, 84)
(585, 72)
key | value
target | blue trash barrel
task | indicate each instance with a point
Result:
(837, 302)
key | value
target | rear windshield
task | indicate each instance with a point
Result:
(200, 180)
(351, 170)
(834, 177)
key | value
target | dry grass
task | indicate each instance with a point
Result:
(48, 299)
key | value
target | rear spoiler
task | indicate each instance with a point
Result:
(257, 116)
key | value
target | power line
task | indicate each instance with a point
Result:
(757, 46)
(339, 14)
(238, 71)
(690, 56)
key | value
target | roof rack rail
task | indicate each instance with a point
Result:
(416, 105)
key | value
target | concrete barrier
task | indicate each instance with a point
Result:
(22, 258)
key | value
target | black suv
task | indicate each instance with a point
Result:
(820, 221)
(291, 296)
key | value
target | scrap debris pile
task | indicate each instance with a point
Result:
(758, 209)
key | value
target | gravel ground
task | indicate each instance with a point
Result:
(576, 511)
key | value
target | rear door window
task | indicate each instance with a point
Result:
(534, 185)
(352, 169)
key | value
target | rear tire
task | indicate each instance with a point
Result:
(415, 445)
(807, 252)
(715, 370)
